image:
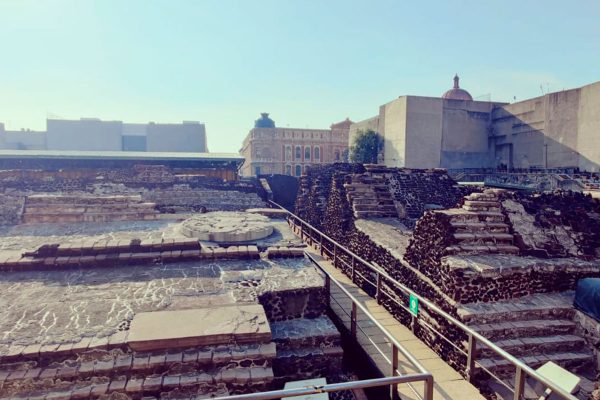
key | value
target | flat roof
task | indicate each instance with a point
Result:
(121, 155)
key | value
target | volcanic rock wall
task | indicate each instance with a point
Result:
(559, 224)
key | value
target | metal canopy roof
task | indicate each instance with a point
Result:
(121, 155)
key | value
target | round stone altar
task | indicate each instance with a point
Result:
(227, 226)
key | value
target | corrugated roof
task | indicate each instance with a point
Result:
(121, 155)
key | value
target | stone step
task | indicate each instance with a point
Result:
(303, 332)
(539, 345)
(194, 382)
(539, 306)
(307, 363)
(495, 227)
(526, 328)
(41, 208)
(482, 203)
(572, 361)
(105, 364)
(485, 236)
(373, 214)
(482, 248)
(461, 215)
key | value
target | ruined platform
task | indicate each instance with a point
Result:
(199, 327)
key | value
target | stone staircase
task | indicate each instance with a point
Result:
(306, 349)
(479, 226)
(536, 329)
(86, 208)
(370, 197)
(189, 372)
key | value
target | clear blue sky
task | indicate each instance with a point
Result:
(307, 62)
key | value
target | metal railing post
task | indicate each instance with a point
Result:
(353, 321)
(321, 243)
(428, 389)
(301, 230)
(394, 388)
(378, 290)
(334, 255)
(413, 323)
(328, 290)
(471, 355)
(353, 275)
(519, 383)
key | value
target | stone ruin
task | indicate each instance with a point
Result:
(102, 194)
(505, 263)
(103, 296)
(227, 226)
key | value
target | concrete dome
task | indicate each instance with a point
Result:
(456, 93)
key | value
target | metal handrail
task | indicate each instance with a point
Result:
(333, 387)
(396, 346)
(522, 369)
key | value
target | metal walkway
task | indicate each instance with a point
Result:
(448, 384)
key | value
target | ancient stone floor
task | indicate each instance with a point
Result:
(66, 305)
(27, 237)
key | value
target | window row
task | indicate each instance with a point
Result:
(309, 153)
(297, 169)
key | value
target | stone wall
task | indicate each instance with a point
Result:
(173, 191)
(559, 224)
(11, 207)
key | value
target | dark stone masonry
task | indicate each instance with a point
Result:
(511, 259)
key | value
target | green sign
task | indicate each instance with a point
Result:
(413, 305)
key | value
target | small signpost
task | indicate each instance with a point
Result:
(413, 305)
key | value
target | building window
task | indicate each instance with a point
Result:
(306, 168)
(307, 153)
(298, 153)
(317, 153)
(337, 155)
(257, 169)
(288, 170)
(288, 153)
(298, 170)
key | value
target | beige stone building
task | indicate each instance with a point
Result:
(291, 151)
(558, 130)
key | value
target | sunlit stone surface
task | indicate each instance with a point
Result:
(224, 226)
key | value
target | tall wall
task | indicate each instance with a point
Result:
(189, 137)
(97, 135)
(557, 130)
(465, 134)
(424, 120)
(429, 132)
(85, 135)
(588, 129)
(393, 128)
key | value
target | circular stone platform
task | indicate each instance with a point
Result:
(227, 226)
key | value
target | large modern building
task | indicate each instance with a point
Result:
(91, 134)
(558, 130)
(272, 150)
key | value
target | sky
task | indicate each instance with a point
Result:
(309, 63)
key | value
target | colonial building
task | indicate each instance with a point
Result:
(557, 130)
(291, 151)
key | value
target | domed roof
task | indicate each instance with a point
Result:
(456, 93)
(264, 121)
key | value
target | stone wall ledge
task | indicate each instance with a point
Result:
(490, 266)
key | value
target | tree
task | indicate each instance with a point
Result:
(366, 147)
